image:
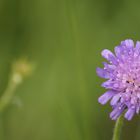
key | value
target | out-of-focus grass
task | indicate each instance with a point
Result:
(64, 38)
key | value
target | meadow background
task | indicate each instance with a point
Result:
(64, 39)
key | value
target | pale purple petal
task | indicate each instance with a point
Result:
(129, 114)
(137, 49)
(106, 97)
(116, 112)
(128, 43)
(108, 84)
(102, 73)
(107, 54)
(138, 44)
(115, 99)
(118, 50)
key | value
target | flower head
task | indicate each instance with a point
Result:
(20, 69)
(123, 79)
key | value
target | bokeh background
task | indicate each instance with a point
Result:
(64, 39)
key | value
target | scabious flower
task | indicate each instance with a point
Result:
(123, 79)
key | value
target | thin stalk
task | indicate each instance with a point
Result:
(118, 128)
(9, 93)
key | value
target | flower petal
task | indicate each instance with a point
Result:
(102, 73)
(107, 54)
(137, 49)
(138, 44)
(117, 112)
(106, 97)
(108, 84)
(118, 50)
(128, 43)
(129, 114)
(115, 99)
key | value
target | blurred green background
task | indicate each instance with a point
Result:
(64, 39)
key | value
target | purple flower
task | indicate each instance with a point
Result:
(123, 79)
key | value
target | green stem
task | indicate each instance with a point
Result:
(8, 94)
(118, 128)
